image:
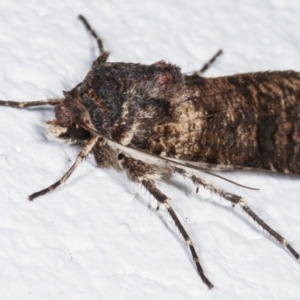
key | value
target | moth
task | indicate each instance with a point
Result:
(151, 121)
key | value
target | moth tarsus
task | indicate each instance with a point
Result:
(152, 121)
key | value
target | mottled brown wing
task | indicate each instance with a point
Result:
(246, 120)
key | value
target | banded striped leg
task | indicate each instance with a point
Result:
(161, 198)
(207, 65)
(31, 103)
(103, 54)
(92, 32)
(237, 200)
(147, 174)
(82, 154)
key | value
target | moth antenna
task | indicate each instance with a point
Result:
(26, 104)
(231, 181)
(192, 167)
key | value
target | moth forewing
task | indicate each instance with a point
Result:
(152, 121)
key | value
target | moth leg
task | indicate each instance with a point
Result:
(82, 154)
(146, 175)
(103, 54)
(92, 32)
(163, 199)
(207, 65)
(31, 103)
(237, 200)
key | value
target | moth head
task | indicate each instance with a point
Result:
(69, 115)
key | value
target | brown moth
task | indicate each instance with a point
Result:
(152, 121)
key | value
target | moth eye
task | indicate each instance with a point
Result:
(121, 156)
(78, 133)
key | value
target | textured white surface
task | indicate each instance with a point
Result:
(96, 237)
